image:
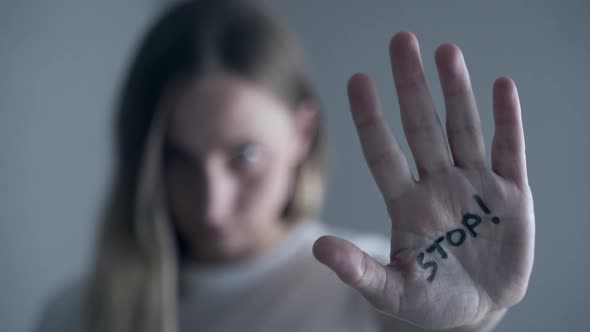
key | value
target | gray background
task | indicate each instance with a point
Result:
(60, 65)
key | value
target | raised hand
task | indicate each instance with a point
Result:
(463, 234)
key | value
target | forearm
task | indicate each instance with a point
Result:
(389, 324)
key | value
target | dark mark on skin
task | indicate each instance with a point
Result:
(485, 209)
(436, 246)
(481, 204)
(461, 237)
(455, 238)
(476, 220)
(427, 265)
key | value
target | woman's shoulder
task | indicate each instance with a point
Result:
(63, 309)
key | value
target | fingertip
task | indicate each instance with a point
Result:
(316, 248)
(357, 81)
(406, 60)
(447, 53)
(504, 83)
(321, 249)
(505, 97)
(400, 39)
(341, 256)
(359, 76)
(453, 74)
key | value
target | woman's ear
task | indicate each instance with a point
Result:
(306, 126)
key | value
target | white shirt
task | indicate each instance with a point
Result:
(285, 289)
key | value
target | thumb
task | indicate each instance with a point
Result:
(359, 270)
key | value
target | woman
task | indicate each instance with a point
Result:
(211, 222)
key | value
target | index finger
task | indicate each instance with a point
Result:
(385, 159)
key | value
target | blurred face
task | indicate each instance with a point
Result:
(230, 154)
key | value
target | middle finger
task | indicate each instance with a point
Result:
(420, 120)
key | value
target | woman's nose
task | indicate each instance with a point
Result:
(219, 195)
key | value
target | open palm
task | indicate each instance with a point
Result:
(463, 234)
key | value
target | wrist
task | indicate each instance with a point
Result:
(486, 323)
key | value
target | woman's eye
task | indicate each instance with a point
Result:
(248, 154)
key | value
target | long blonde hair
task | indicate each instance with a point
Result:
(134, 283)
